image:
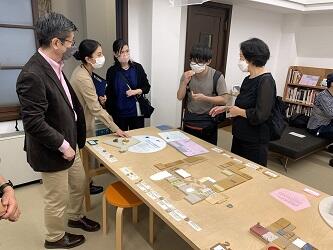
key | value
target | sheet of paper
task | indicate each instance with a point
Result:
(271, 174)
(195, 226)
(252, 165)
(175, 216)
(291, 199)
(312, 192)
(204, 179)
(173, 136)
(164, 127)
(218, 247)
(188, 147)
(299, 243)
(160, 176)
(106, 155)
(297, 134)
(183, 173)
(147, 144)
(217, 150)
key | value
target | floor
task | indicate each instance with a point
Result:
(27, 233)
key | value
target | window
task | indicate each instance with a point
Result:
(17, 44)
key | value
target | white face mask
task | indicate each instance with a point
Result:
(243, 65)
(197, 68)
(124, 58)
(99, 62)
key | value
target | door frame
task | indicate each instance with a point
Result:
(122, 19)
(228, 9)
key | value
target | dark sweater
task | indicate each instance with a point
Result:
(112, 93)
(257, 97)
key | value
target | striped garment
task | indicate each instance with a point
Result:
(322, 112)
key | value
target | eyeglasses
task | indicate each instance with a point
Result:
(123, 52)
(197, 63)
(66, 40)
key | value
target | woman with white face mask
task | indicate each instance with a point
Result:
(253, 105)
(90, 54)
(201, 94)
(127, 80)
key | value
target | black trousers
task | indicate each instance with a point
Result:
(255, 152)
(207, 134)
(129, 123)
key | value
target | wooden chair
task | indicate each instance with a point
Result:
(90, 173)
(118, 195)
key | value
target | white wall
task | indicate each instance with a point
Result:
(168, 42)
(248, 23)
(75, 11)
(101, 26)
(140, 32)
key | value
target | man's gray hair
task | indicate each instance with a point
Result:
(53, 25)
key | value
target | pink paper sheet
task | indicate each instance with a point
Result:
(188, 147)
(291, 199)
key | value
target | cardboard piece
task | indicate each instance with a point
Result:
(230, 182)
(217, 198)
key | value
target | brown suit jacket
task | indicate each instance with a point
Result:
(47, 116)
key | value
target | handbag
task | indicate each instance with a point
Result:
(144, 108)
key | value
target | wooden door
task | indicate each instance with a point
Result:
(209, 24)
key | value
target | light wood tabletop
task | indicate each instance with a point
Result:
(250, 201)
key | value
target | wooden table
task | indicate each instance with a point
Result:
(251, 200)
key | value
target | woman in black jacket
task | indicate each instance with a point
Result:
(126, 81)
(253, 105)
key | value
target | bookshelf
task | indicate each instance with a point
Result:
(302, 86)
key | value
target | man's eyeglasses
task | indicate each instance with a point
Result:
(197, 63)
(66, 40)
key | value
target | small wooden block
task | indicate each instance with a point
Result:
(292, 247)
(283, 223)
(217, 198)
(227, 172)
(273, 228)
(160, 166)
(282, 242)
(289, 228)
(217, 188)
(194, 159)
(175, 163)
(236, 168)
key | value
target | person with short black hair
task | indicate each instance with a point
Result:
(126, 80)
(321, 119)
(90, 53)
(253, 105)
(54, 126)
(202, 94)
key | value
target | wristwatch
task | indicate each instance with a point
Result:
(3, 186)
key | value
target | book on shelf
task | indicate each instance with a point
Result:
(298, 109)
(294, 76)
(305, 96)
(309, 80)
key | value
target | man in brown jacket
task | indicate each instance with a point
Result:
(54, 127)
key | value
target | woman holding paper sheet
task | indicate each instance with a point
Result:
(253, 105)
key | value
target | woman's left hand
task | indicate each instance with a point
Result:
(102, 99)
(121, 133)
(133, 92)
(236, 111)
